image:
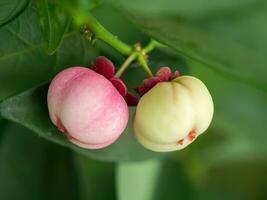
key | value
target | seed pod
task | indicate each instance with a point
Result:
(86, 107)
(172, 114)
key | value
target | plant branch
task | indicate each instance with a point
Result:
(96, 30)
(143, 63)
(101, 33)
(150, 46)
(126, 63)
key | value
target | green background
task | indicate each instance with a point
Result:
(222, 42)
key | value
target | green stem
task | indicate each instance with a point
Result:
(151, 45)
(126, 63)
(101, 33)
(143, 63)
(134, 53)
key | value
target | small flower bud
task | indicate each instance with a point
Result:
(173, 114)
(86, 107)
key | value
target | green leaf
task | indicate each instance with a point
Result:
(233, 44)
(74, 51)
(9, 9)
(54, 21)
(24, 64)
(32, 168)
(24, 108)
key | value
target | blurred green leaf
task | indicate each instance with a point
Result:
(24, 108)
(220, 41)
(10, 9)
(54, 21)
(96, 179)
(239, 122)
(181, 7)
(243, 180)
(234, 180)
(32, 168)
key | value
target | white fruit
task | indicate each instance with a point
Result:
(172, 114)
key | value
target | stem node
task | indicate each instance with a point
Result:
(94, 30)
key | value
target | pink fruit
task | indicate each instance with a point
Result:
(86, 107)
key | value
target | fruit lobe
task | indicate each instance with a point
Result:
(86, 107)
(173, 114)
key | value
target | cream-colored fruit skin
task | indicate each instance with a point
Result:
(170, 110)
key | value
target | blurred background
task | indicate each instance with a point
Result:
(221, 42)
